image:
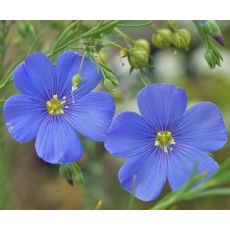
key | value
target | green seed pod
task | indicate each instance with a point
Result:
(142, 43)
(162, 38)
(181, 38)
(108, 85)
(138, 57)
(212, 28)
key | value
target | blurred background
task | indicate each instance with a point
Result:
(27, 182)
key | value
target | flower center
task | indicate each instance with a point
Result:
(164, 139)
(55, 106)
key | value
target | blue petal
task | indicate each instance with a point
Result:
(57, 143)
(92, 114)
(144, 176)
(23, 115)
(183, 160)
(202, 126)
(68, 64)
(161, 105)
(129, 135)
(35, 76)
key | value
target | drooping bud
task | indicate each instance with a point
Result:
(138, 57)
(181, 38)
(219, 39)
(212, 27)
(162, 38)
(72, 173)
(108, 84)
(26, 28)
(142, 43)
(213, 57)
(76, 80)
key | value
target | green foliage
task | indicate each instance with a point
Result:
(192, 189)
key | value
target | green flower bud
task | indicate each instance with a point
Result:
(72, 173)
(138, 57)
(213, 57)
(212, 28)
(181, 38)
(142, 43)
(26, 28)
(108, 85)
(162, 38)
(76, 80)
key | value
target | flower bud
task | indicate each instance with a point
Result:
(213, 57)
(181, 38)
(142, 43)
(72, 173)
(212, 27)
(162, 38)
(76, 80)
(138, 57)
(26, 28)
(108, 84)
(219, 39)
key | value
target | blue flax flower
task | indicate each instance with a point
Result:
(52, 111)
(166, 141)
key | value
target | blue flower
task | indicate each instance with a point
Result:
(50, 110)
(166, 141)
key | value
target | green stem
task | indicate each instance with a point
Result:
(124, 36)
(135, 25)
(92, 32)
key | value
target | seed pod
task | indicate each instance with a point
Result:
(162, 38)
(181, 38)
(138, 57)
(142, 43)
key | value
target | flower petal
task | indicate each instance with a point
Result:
(23, 115)
(57, 143)
(202, 127)
(70, 63)
(35, 76)
(161, 105)
(144, 176)
(92, 114)
(129, 135)
(183, 160)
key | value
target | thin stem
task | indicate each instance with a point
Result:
(112, 43)
(171, 26)
(135, 25)
(123, 36)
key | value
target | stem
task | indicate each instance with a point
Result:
(94, 31)
(112, 43)
(4, 31)
(123, 36)
(135, 25)
(144, 78)
(172, 26)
